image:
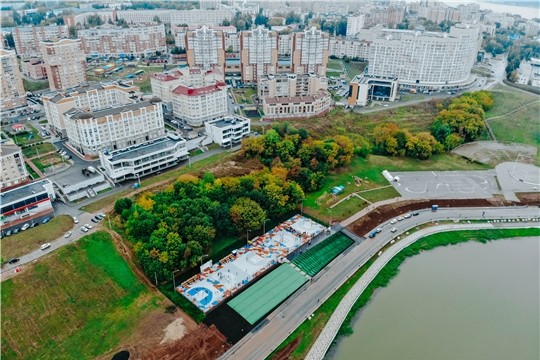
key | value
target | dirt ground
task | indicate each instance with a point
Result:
(493, 152)
(235, 167)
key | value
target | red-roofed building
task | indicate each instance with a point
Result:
(196, 105)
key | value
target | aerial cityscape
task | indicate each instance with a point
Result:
(270, 179)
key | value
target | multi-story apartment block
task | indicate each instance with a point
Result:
(12, 94)
(163, 84)
(290, 85)
(26, 204)
(82, 19)
(428, 59)
(178, 17)
(355, 24)
(27, 39)
(228, 130)
(352, 48)
(65, 62)
(143, 159)
(258, 53)
(310, 52)
(505, 20)
(535, 72)
(196, 105)
(205, 48)
(87, 96)
(34, 69)
(116, 128)
(13, 169)
(297, 107)
(387, 15)
(230, 34)
(285, 44)
(136, 41)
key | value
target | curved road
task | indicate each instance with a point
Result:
(260, 342)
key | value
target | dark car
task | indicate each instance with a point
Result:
(94, 220)
(373, 234)
(415, 213)
(13, 261)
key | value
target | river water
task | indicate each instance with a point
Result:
(469, 301)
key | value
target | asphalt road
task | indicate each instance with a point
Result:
(286, 318)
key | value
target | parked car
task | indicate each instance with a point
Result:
(94, 220)
(407, 215)
(393, 221)
(68, 234)
(75, 220)
(84, 229)
(393, 230)
(400, 218)
(378, 230)
(88, 226)
(372, 234)
(45, 246)
(13, 261)
(46, 220)
(415, 213)
(25, 226)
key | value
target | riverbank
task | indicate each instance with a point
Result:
(298, 344)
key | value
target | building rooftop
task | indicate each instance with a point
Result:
(296, 99)
(24, 191)
(80, 114)
(151, 147)
(184, 90)
(8, 149)
(228, 121)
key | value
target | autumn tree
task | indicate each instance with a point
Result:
(247, 214)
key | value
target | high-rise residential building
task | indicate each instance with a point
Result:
(116, 128)
(352, 48)
(136, 41)
(163, 84)
(386, 15)
(425, 59)
(310, 52)
(178, 17)
(13, 169)
(290, 85)
(12, 93)
(205, 48)
(258, 53)
(65, 62)
(355, 24)
(87, 96)
(199, 104)
(27, 38)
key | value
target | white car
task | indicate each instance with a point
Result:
(378, 230)
(407, 215)
(45, 246)
(25, 226)
(88, 226)
(75, 220)
(84, 229)
(400, 218)
(393, 221)
(68, 234)
(393, 230)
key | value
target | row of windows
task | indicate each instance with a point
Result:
(24, 203)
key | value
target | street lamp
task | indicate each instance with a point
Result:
(330, 211)
(302, 207)
(247, 235)
(264, 225)
(202, 257)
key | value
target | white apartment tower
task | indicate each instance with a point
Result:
(258, 53)
(205, 48)
(65, 62)
(12, 94)
(310, 52)
(355, 24)
(12, 167)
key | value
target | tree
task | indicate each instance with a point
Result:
(260, 19)
(157, 19)
(247, 214)
(122, 204)
(72, 32)
(94, 20)
(9, 40)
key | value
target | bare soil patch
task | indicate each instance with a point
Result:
(285, 353)
(493, 152)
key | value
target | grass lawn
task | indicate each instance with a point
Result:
(145, 85)
(336, 74)
(306, 334)
(243, 96)
(47, 161)
(370, 171)
(354, 68)
(43, 148)
(506, 99)
(35, 85)
(334, 64)
(79, 303)
(30, 240)
(165, 176)
(415, 118)
(24, 139)
(31, 171)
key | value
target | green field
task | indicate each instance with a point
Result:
(32, 173)
(30, 240)
(23, 139)
(334, 64)
(243, 96)
(306, 334)
(370, 171)
(46, 161)
(354, 68)
(41, 149)
(35, 85)
(316, 258)
(78, 303)
(336, 74)
(267, 293)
